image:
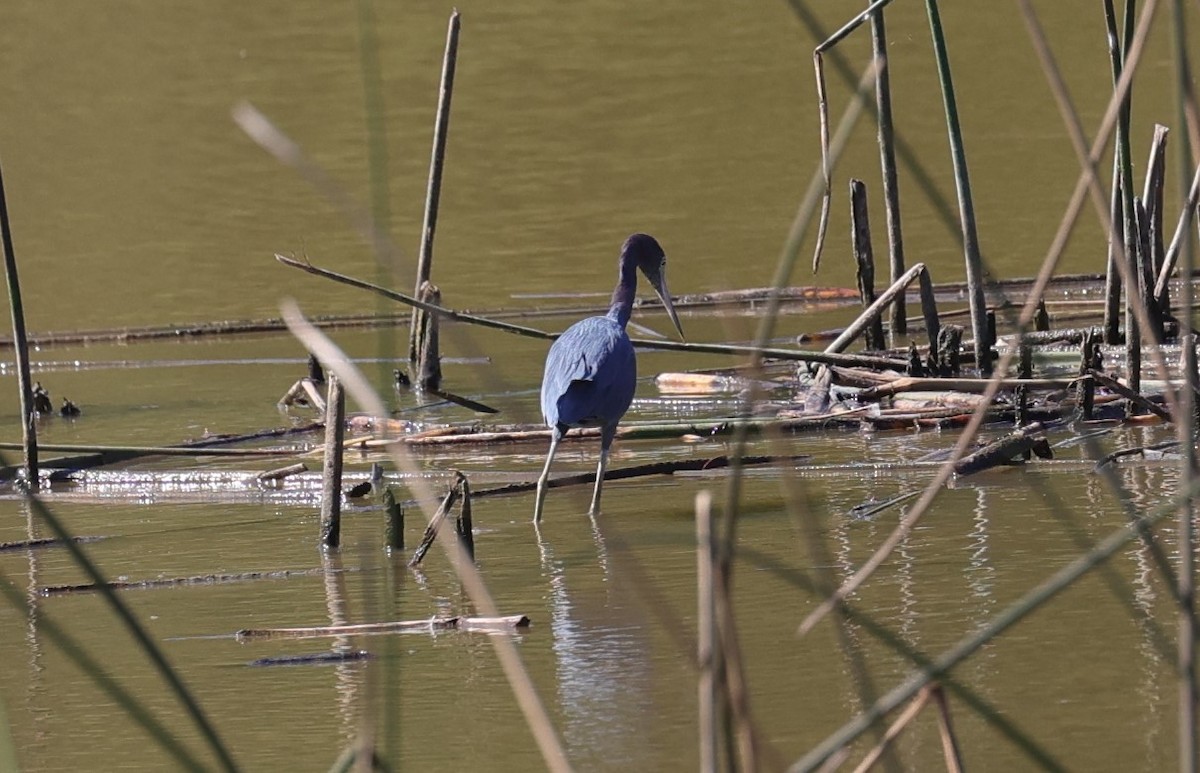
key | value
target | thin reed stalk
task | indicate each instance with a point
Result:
(772, 308)
(410, 300)
(893, 732)
(21, 346)
(950, 750)
(437, 162)
(706, 639)
(1186, 427)
(377, 160)
(966, 205)
(1119, 187)
(898, 320)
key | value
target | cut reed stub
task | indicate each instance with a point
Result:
(331, 489)
(428, 363)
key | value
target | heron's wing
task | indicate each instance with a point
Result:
(590, 374)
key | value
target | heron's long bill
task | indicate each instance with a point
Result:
(660, 288)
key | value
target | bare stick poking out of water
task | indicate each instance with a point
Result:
(331, 489)
(436, 162)
(21, 343)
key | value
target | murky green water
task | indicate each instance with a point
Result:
(137, 201)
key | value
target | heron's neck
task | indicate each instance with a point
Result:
(622, 298)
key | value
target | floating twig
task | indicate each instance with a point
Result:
(409, 300)
(176, 582)
(1115, 455)
(304, 391)
(44, 542)
(314, 659)
(483, 624)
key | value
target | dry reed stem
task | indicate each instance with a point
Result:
(1087, 178)
(893, 732)
(1188, 690)
(950, 748)
(21, 347)
(549, 744)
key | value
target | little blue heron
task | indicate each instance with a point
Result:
(591, 371)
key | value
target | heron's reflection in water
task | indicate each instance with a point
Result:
(602, 658)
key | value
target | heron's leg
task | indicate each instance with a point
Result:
(544, 480)
(606, 438)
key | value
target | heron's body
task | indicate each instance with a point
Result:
(591, 370)
(590, 377)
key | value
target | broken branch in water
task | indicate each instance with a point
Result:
(1004, 450)
(487, 624)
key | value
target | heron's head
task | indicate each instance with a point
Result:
(647, 254)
